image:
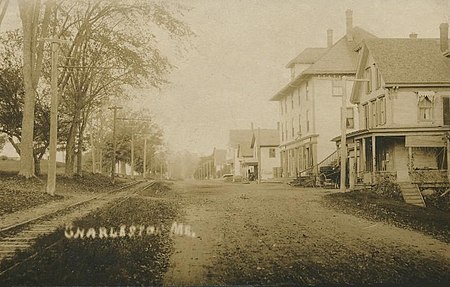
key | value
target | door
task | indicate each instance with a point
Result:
(401, 163)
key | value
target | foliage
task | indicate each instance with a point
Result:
(438, 200)
(388, 189)
(12, 99)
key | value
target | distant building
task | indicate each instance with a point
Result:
(404, 111)
(243, 157)
(239, 151)
(268, 141)
(309, 106)
(212, 166)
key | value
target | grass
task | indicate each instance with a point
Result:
(18, 193)
(372, 206)
(140, 260)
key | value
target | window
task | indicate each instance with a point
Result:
(292, 101)
(307, 121)
(285, 105)
(272, 153)
(281, 107)
(293, 129)
(446, 110)
(374, 114)
(366, 116)
(368, 76)
(350, 121)
(299, 124)
(378, 85)
(337, 89)
(282, 132)
(299, 95)
(307, 91)
(286, 130)
(382, 111)
(425, 108)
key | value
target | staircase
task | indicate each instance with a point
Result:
(411, 194)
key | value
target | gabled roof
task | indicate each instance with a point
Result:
(269, 137)
(340, 59)
(405, 62)
(241, 139)
(307, 56)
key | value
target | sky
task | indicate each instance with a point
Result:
(241, 49)
(237, 60)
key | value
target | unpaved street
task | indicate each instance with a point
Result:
(276, 234)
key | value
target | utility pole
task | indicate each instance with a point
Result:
(51, 173)
(343, 134)
(145, 157)
(113, 162)
(132, 138)
(259, 155)
(132, 153)
(344, 129)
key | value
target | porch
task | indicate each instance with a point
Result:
(414, 159)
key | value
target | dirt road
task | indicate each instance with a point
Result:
(276, 234)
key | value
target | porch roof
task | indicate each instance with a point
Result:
(394, 132)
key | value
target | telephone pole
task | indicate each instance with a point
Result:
(51, 173)
(343, 134)
(113, 161)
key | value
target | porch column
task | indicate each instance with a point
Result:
(314, 158)
(410, 163)
(351, 167)
(448, 158)
(374, 158)
(363, 154)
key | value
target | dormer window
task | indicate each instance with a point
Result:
(368, 76)
(378, 74)
(307, 91)
(425, 104)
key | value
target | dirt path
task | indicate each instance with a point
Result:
(272, 233)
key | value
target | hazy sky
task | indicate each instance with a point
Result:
(242, 47)
(240, 52)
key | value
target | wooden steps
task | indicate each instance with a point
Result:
(411, 194)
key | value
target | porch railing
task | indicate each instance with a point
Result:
(421, 176)
(366, 177)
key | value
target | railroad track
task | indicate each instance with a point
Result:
(21, 236)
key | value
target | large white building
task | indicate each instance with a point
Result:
(309, 105)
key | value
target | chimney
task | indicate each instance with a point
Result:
(251, 125)
(413, 36)
(444, 37)
(349, 24)
(329, 38)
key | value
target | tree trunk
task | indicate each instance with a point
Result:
(70, 152)
(26, 145)
(80, 157)
(37, 165)
(70, 145)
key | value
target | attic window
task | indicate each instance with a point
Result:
(378, 74)
(368, 76)
(425, 104)
(337, 88)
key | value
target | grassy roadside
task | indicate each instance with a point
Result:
(17, 193)
(129, 260)
(372, 206)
